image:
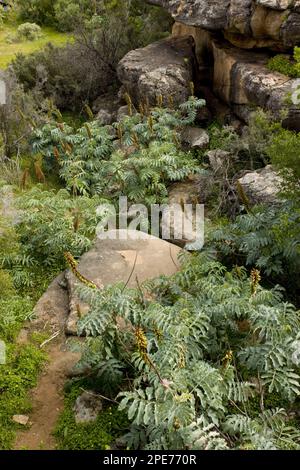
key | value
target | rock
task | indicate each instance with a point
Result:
(115, 260)
(178, 227)
(122, 112)
(21, 419)
(195, 137)
(240, 79)
(292, 121)
(7, 206)
(243, 81)
(3, 89)
(23, 337)
(87, 407)
(2, 353)
(105, 107)
(208, 14)
(164, 69)
(261, 186)
(119, 444)
(218, 160)
(245, 23)
(52, 309)
(105, 117)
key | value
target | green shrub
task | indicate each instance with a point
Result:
(69, 14)
(29, 32)
(284, 64)
(83, 70)
(266, 238)
(36, 11)
(144, 159)
(284, 152)
(199, 346)
(55, 222)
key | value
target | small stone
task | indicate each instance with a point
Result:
(21, 419)
(218, 160)
(87, 407)
(122, 112)
(195, 137)
(106, 118)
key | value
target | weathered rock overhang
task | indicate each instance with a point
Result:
(241, 78)
(273, 24)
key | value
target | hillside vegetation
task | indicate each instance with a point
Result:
(206, 359)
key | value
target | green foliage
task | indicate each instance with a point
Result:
(14, 310)
(199, 345)
(37, 11)
(252, 146)
(70, 13)
(87, 67)
(283, 64)
(17, 376)
(98, 435)
(55, 222)
(80, 153)
(144, 158)
(29, 31)
(284, 152)
(266, 238)
(18, 118)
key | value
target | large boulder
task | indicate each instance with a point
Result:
(8, 209)
(124, 256)
(262, 186)
(247, 23)
(164, 69)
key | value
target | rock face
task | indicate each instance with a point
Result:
(118, 259)
(164, 68)
(7, 206)
(262, 186)
(240, 78)
(246, 23)
(52, 308)
(224, 46)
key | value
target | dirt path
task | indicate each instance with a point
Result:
(47, 398)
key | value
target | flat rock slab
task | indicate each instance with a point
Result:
(124, 257)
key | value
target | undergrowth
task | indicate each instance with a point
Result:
(18, 376)
(98, 435)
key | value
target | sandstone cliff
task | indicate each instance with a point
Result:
(245, 23)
